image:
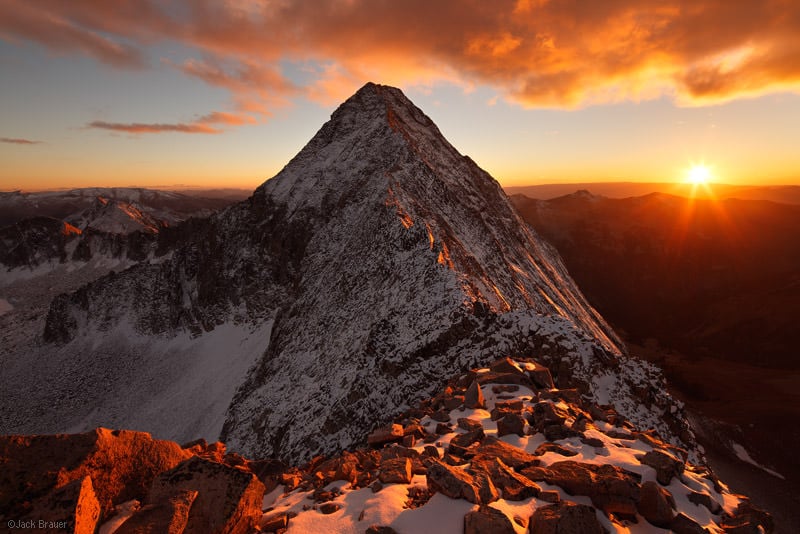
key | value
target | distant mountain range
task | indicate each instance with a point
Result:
(710, 291)
(788, 194)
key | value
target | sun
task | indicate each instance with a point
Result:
(698, 174)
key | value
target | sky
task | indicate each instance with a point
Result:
(202, 93)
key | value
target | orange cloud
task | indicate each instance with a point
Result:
(536, 52)
(200, 125)
(220, 117)
(142, 128)
(17, 141)
(60, 34)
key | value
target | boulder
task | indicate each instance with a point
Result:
(121, 463)
(514, 457)
(502, 378)
(487, 519)
(704, 499)
(387, 434)
(329, 508)
(169, 516)
(72, 507)
(665, 464)
(565, 517)
(514, 487)
(540, 376)
(268, 472)
(396, 471)
(553, 447)
(473, 398)
(469, 424)
(611, 488)
(656, 504)
(512, 423)
(468, 438)
(506, 365)
(545, 414)
(683, 524)
(228, 499)
(275, 522)
(748, 518)
(443, 428)
(457, 483)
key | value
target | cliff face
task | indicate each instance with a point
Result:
(376, 263)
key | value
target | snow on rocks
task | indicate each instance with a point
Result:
(595, 476)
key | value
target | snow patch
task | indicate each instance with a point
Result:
(744, 456)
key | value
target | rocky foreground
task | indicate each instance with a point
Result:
(499, 450)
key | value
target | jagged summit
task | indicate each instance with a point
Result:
(377, 262)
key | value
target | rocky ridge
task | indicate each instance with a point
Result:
(377, 262)
(499, 450)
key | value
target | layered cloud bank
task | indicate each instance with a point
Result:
(539, 53)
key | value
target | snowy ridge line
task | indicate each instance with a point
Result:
(383, 260)
(499, 451)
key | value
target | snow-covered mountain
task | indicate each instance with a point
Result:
(169, 206)
(378, 262)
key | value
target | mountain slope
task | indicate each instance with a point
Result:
(379, 260)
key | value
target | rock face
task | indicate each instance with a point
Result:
(120, 463)
(566, 517)
(376, 263)
(228, 500)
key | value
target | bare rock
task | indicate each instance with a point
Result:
(268, 472)
(704, 499)
(553, 447)
(122, 465)
(473, 398)
(396, 471)
(72, 507)
(469, 424)
(611, 488)
(545, 414)
(443, 428)
(457, 483)
(541, 377)
(565, 517)
(683, 524)
(329, 508)
(467, 439)
(167, 517)
(513, 457)
(665, 464)
(228, 499)
(512, 423)
(549, 496)
(375, 529)
(656, 504)
(506, 365)
(748, 518)
(487, 519)
(384, 435)
(275, 522)
(514, 487)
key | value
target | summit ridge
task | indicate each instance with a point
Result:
(376, 263)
